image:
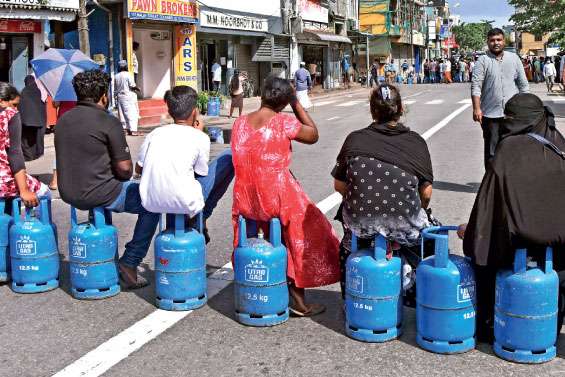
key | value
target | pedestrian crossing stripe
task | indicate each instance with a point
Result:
(409, 102)
(324, 103)
(350, 103)
(435, 102)
(466, 101)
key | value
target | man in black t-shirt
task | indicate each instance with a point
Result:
(94, 167)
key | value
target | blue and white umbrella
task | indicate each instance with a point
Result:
(55, 68)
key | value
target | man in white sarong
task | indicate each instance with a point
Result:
(126, 98)
(303, 83)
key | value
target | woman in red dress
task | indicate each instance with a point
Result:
(265, 188)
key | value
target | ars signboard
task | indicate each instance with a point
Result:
(185, 11)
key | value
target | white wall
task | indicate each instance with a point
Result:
(263, 7)
(155, 59)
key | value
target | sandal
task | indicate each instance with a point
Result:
(313, 309)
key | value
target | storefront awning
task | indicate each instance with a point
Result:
(38, 14)
(309, 36)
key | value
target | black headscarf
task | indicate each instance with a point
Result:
(520, 203)
(32, 109)
(392, 143)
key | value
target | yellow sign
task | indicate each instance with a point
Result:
(186, 72)
(163, 10)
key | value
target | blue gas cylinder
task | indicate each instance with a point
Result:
(33, 250)
(525, 317)
(213, 106)
(373, 293)
(260, 287)
(180, 266)
(445, 297)
(93, 250)
(5, 223)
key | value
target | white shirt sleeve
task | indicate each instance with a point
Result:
(143, 151)
(201, 164)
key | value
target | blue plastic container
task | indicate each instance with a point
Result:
(180, 266)
(216, 134)
(213, 106)
(5, 223)
(445, 297)
(33, 250)
(93, 250)
(260, 287)
(373, 294)
(525, 321)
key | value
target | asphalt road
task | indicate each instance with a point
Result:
(49, 333)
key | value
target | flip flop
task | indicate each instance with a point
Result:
(314, 309)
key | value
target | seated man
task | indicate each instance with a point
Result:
(173, 161)
(520, 203)
(94, 167)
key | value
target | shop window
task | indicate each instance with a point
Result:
(538, 38)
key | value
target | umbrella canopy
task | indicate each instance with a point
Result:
(55, 68)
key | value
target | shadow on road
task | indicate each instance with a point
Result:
(471, 187)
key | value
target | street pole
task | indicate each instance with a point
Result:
(411, 15)
(84, 42)
(367, 60)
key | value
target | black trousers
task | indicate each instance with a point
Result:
(491, 136)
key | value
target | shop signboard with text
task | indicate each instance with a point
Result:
(312, 10)
(20, 26)
(180, 11)
(185, 56)
(232, 21)
(65, 4)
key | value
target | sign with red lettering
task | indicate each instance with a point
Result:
(20, 26)
(178, 11)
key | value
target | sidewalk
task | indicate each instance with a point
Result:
(251, 104)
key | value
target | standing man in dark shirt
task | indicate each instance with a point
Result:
(94, 167)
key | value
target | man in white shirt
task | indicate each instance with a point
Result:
(134, 61)
(549, 72)
(216, 75)
(173, 163)
(447, 73)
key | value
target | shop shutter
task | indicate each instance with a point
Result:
(272, 49)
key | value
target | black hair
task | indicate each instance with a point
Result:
(495, 31)
(135, 45)
(386, 104)
(122, 69)
(181, 101)
(8, 92)
(277, 93)
(90, 86)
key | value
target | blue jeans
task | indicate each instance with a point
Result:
(214, 186)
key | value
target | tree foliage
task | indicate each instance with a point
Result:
(471, 36)
(540, 17)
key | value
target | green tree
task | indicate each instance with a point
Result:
(471, 36)
(541, 17)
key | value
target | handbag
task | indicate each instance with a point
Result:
(548, 144)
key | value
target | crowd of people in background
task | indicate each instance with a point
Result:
(459, 69)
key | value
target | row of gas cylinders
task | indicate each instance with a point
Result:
(526, 297)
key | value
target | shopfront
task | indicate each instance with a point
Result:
(22, 33)
(247, 42)
(164, 35)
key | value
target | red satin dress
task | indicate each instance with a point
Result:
(265, 188)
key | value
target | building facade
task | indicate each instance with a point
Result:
(320, 38)
(247, 35)
(395, 29)
(24, 25)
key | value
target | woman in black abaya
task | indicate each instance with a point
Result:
(33, 113)
(520, 203)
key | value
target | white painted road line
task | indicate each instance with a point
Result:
(409, 102)
(465, 101)
(324, 103)
(116, 349)
(350, 103)
(333, 118)
(435, 102)
(429, 133)
(417, 94)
